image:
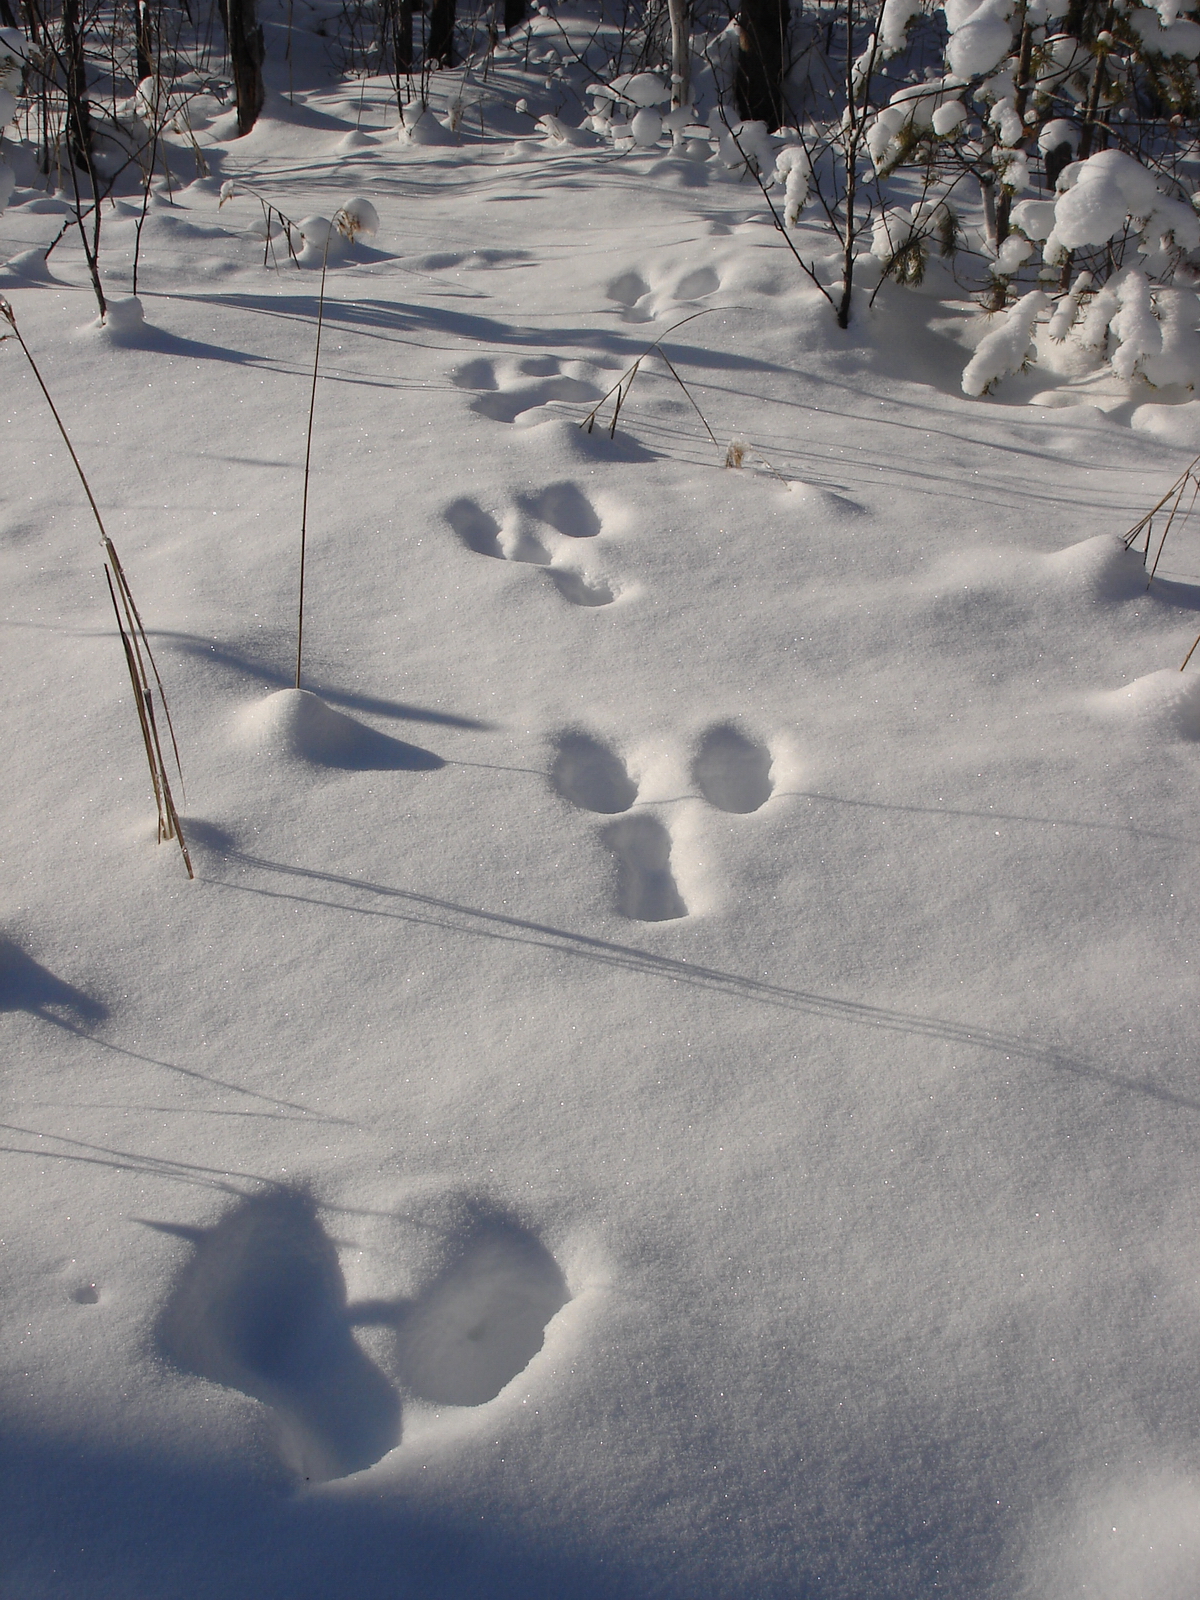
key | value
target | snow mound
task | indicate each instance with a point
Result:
(123, 321)
(1178, 425)
(125, 315)
(1168, 700)
(29, 266)
(425, 130)
(356, 139)
(296, 724)
(1101, 567)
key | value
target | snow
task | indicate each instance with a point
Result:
(981, 33)
(1104, 191)
(1009, 344)
(676, 1074)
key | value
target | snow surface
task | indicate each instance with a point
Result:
(677, 1073)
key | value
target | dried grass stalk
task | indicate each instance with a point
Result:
(134, 642)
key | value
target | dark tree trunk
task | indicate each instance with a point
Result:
(7, 19)
(404, 36)
(145, 41)
(246, 52)
(514, 14)
(441, 33)
(79, 114)
(762, 25)
(398, 33)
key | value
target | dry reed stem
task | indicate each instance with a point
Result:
(342, 223)
(1146, 524)
(134, 642)
(625, 382)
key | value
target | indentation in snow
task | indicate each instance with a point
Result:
(590, 775)
(520, 543)
(478, 374)
(581, 591)
(646, 889)
(298, 724)
(627, 288)
(261, 1308)
(473, 525)
(565, 507)
(483, 1320)
(695, 285)
(731, 771)
(507, 404)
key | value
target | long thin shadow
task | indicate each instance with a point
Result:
(225, 655)
(25, 985)
(989, 816)
(132, 1160)
(203, 1077)
(472, 920)
(398, 318)
(146, 1109)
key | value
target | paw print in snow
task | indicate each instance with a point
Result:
(518, 391)
(261, 1307)
(532, 525)
(731, 770)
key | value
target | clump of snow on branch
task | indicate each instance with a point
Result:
(1106, 193)
(1007, 347)
(794, 170)
(1135, 326)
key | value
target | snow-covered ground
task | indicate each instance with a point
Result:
(676, 1075)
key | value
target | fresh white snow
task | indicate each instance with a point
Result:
(677, 1073)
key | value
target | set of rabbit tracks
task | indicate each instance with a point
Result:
(261, 1307)
(731, 770)
(545, 529)
(520, 390)
(637, 300)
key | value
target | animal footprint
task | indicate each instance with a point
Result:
(506, 394)
(477, 530)
(565, 507)
(731, 771)
(646, 890)
(640, 303)
(261, 1307)
(696, 284)
(560, 508)
(579, 591)
(480, 532)
(630, 290)
(593, 777)
(483, 1320)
